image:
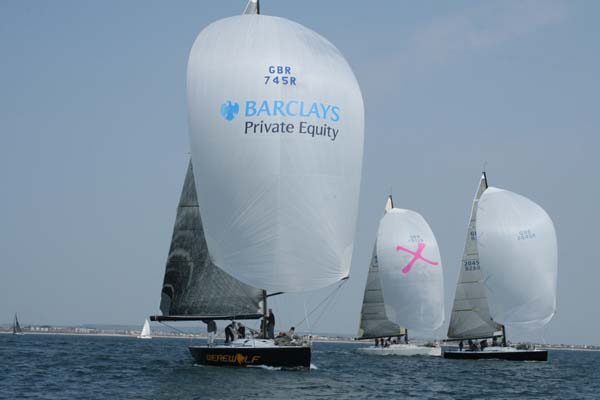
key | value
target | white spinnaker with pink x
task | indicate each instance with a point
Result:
(410, 269)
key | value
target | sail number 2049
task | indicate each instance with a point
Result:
(280, 75)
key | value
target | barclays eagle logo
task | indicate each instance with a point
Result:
(229, 110)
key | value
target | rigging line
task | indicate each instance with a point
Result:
(321, 303)
(306, 317)
(330, 303)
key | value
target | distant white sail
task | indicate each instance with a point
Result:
(470, 313)
(146, 332)
(276, 123)
(518, 252)
(410, 269)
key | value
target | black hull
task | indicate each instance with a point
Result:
(284, 356)
(520, 355)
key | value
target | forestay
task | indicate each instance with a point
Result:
(410, 270)
(470, 313)
(518, 253)
(276, 125)
(193, 286)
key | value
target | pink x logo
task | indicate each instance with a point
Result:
(417, 255)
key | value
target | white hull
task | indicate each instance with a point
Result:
(144, 337)
(401, 350)
(260, 343)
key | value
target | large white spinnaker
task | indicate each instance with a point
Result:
(276, 124)
(518, 254)
(410, 269)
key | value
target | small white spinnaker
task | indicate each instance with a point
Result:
(410, 269)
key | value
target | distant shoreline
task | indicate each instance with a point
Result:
(201, 336)
(159, 336)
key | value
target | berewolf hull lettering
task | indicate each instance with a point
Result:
(284, 357)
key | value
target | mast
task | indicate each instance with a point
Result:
(253, 7)
(264, 323)
(485, 179)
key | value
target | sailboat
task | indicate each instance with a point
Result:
(16, 327)
(146, 332)
(404, 286)
(276, 125)
(507, 277)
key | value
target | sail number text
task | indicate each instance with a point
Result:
(471, 265)
(415, 239)
(526, 234)
(280, 75)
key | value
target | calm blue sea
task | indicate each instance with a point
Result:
(82, 367)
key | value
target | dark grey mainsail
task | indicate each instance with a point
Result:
(16, 327)
(374, 322)
(194, 288)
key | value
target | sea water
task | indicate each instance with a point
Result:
(102, 367)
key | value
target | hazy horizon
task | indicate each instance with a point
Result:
(94, 143)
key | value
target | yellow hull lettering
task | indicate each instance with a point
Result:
(233, 359)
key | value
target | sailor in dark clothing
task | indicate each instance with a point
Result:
(271, 325)
(229, 332)
(241, 331)
(460, 346)
(472, 346)
(483, 344)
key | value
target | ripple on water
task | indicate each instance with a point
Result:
(58, 367)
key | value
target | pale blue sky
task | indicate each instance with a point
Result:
(94, 142)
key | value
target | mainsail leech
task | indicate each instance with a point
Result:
(194, 288)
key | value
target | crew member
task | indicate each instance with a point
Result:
(211, 328)
(292, 333)
(271, 324)
(229, 332)
(241, 331)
